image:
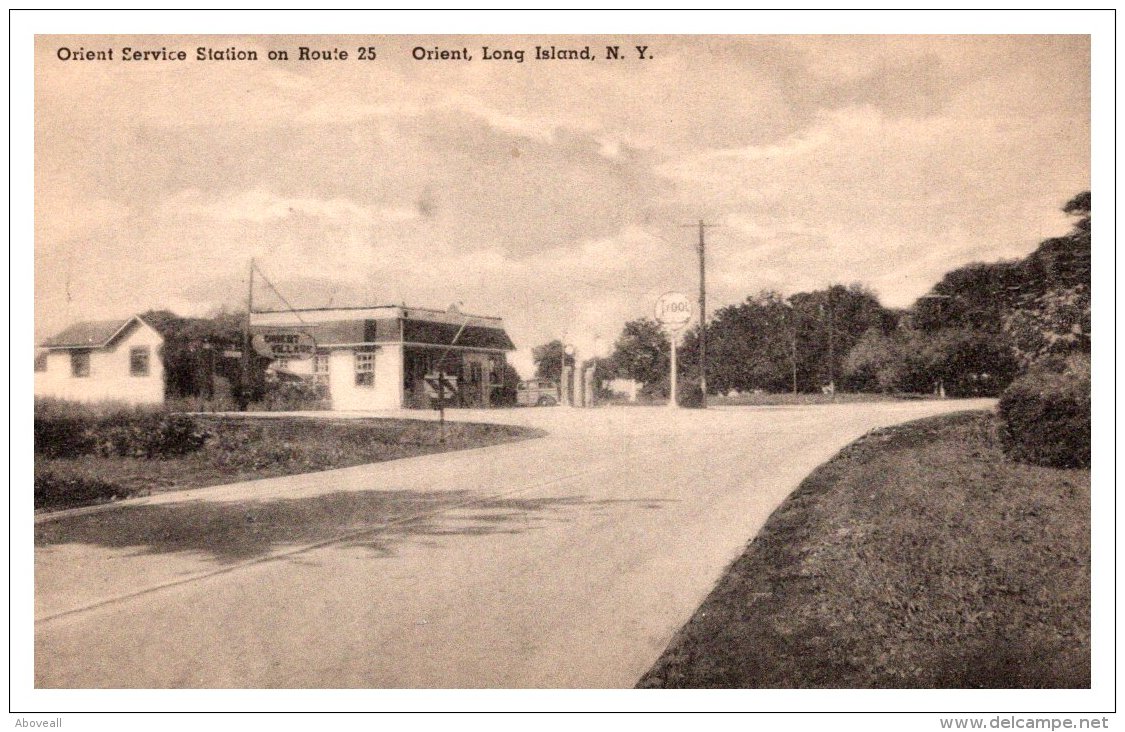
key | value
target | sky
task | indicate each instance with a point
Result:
(559, 195)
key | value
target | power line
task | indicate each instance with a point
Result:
(254, 267)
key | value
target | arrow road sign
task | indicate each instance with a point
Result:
(434, 380)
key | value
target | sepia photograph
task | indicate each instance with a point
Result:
(733, 361)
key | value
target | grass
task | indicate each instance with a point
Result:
(918, 557)
(767, 399)
(245, 449)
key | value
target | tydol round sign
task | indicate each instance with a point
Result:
(673, 310)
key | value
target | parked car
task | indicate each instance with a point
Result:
(537, 393)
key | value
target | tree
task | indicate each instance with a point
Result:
(549, 358)
(193, 352)
(974, 296)
(761, 342)
(958, 361)
(1054, 324)
(605, 370)
(827, 325)
(643, 352)
(1080, 206)
(505, 396)
(1052, 318)
(875, 363)
(1050, 286)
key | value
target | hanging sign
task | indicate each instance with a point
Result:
(284, 344)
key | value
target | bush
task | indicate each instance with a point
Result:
(62, 437)
(148, 436)
(57, 491)
(1046, 415)
(294, 396)
(690, 394)
(64, 429)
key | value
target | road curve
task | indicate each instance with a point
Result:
(565, 561)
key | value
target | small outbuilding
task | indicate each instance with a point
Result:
(387, 357)
(103, 360)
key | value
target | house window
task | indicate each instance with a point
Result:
(80, 364)
(365, 369)
(41, 362)
(138, 361)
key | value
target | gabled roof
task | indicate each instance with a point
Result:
(90, 333)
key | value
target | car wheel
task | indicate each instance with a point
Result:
(546, 401)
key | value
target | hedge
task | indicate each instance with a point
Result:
(64, 429)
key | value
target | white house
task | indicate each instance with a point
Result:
(378, 357)
(105, 360)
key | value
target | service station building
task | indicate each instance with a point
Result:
(386, 357)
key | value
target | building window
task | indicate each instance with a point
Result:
(365, 369)
(41, 361)
(138, 361)
(320, 368)
(80, 364)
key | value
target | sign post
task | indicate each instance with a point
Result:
(673, 397)
(673, 311)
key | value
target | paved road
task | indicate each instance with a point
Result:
(565, 561)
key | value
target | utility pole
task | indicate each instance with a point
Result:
(831, 343)
(244, 385)
(703, 309)
(794, 363)
(562, 368)
(791, 321)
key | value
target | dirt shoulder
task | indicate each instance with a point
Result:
(918, 557)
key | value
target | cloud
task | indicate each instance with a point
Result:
(260, 205)
(553, 195)
(862, 195)
(535, 129)
(66, 219)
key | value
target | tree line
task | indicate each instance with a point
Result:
(971, 335)
(978, 328)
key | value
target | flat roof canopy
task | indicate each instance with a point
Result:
(388, 324)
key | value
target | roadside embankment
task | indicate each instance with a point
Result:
(918, 557)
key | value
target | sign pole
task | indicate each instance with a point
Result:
(672, 400)
(441, 403)
(673, 311)
(441, 378)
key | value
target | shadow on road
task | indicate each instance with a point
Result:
(238, 531)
